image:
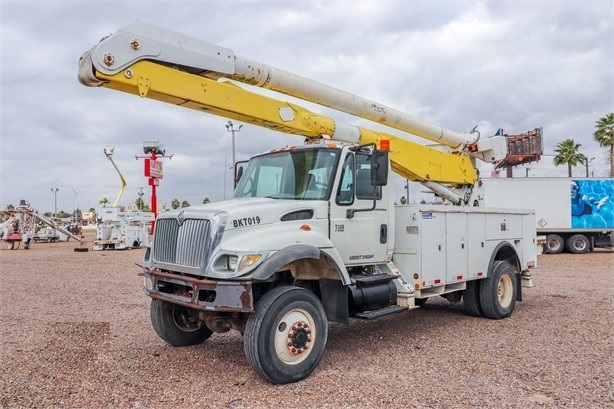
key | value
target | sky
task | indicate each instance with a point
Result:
(516, 65)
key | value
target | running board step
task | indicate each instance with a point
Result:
(371, 315)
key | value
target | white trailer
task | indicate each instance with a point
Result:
(574, 214)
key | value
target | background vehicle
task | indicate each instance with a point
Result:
(575, 214)
(21, 224)
(312, 233)
(117, 229)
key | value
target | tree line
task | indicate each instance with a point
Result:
(144, 207)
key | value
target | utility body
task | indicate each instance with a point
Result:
(312, 233)
(573, 214)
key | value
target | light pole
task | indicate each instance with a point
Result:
(586, 162)
(230, 128)
(55, 202)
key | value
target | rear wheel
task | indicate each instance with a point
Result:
(498, 291)
(554, 244)
(471, 299)
(286, 336)
(178, 325)
(577, 244)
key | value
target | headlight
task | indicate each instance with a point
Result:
(231, 263)
(249, 260)
(240, 263)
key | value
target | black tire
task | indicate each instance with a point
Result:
(554, 244)
(286, 336)
(177, 325)
(471, 299)
(80, 249)
(578, 244)
(498, 291)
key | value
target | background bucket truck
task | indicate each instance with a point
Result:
(117, 229)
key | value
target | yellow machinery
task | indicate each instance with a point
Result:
(155, 63)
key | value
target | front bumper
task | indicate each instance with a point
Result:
(200, 294)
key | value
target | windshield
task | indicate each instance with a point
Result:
(292, 174)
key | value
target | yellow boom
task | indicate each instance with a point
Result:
(224, 98)
(109, 152)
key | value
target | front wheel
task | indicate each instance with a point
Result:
(178, 325)
(286, 336)
(498, 291)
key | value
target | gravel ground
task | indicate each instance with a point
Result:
(75, 333)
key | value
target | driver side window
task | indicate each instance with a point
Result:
(364, 187)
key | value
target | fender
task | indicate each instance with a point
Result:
(283, 257)
(510, 255)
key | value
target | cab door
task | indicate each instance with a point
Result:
(365, 237)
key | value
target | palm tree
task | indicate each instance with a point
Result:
(604, 136)
(567, 154)
(175, 204)
(104, 201)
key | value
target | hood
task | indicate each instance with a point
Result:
(244, 212)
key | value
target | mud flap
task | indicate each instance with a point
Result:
(335, 300)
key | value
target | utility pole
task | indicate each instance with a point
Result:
(76, 213)
(407, 189)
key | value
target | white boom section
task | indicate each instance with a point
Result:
(148, 42)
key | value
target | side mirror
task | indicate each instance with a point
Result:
(379, 167)
(239, 168)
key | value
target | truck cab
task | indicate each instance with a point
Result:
(314, 212)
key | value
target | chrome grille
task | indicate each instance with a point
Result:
(184, 244)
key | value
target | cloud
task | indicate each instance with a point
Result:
(511, 65)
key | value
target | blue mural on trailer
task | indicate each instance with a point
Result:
(592, 203)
